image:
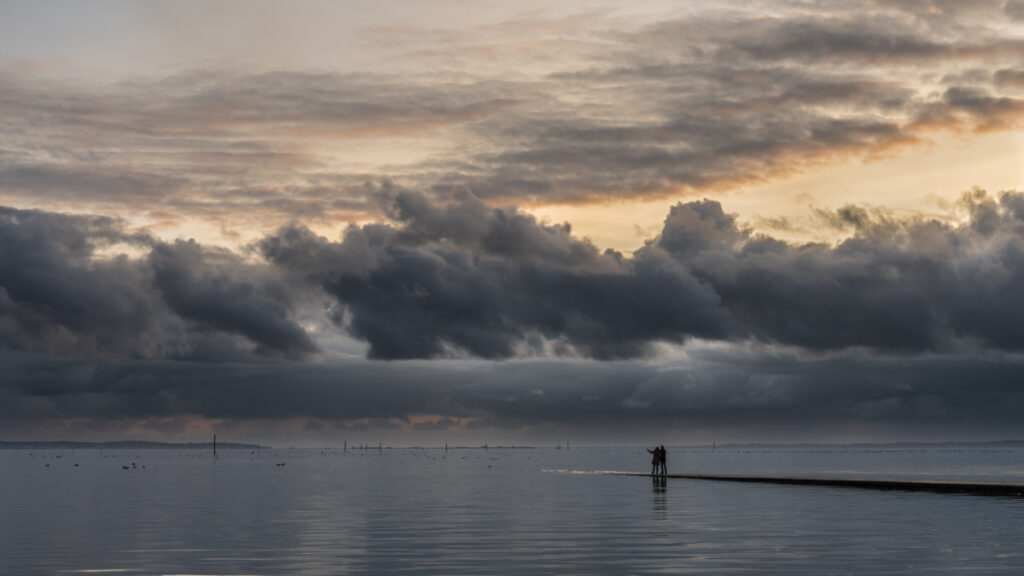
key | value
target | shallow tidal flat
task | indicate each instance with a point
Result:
(503, 511)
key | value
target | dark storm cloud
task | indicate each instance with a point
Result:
(878, 333)
(204, 287)
(896, 284)
(492, 282)
(54, 297)
(60, 294)
(731, 392)
(460, 277)
(495, 283)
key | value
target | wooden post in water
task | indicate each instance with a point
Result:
(214, 445)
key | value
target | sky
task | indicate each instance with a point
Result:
(600, 222)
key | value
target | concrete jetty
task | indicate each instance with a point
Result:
(944, 486)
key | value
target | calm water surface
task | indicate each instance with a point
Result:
(500, 512)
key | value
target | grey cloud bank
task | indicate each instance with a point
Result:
(906, 329)
(58, 295)
(495, 282)
(752, 395)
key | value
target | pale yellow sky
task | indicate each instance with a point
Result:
(925, 180)
(922, 180)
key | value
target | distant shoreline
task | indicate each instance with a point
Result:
(799, 446)
(125, 444)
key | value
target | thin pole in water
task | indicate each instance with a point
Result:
(214, 445)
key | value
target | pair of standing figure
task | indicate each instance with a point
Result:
(658, 465)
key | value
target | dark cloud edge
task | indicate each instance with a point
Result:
(462, 278)
(755, 394)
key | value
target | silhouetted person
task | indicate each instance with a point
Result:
(655, 459)
(663, 458)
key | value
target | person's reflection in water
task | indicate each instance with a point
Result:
(660, 497)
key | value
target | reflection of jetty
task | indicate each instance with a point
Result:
(956, 487)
